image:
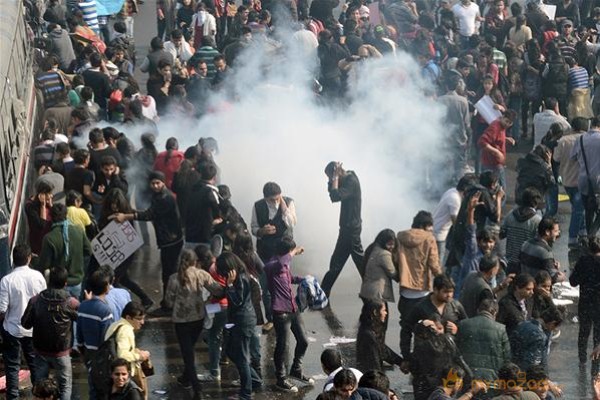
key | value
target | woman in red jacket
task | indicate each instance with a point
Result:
(168, 161)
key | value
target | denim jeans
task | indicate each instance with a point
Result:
(577, 224)
(255, 356)
(11, 355)
(64, 373)
(238, 350)
(215, 342)
(187, 335)
(551, 201)
(75, 291)
(266, 296)
(283, 324)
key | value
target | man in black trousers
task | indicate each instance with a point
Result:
(344, 187)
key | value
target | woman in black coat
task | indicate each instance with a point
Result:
(586, 275)
(371, 350)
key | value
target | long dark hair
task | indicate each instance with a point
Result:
(172, 145)
(228, 261)
(115, 197)
(244, 249)
(369, 317)
(381, 240)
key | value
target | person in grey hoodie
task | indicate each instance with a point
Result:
(520, 225)
(61, 46)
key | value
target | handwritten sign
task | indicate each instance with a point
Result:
(115, 243)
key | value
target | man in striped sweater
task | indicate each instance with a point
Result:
(536, 254)
(90, 15)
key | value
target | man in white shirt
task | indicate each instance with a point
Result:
(178, 47)
(16, 289)
(331, 363)
(469, 19)
(543, 120)
(446, 211)
(273, 218)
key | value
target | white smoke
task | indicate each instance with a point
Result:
(276, 130)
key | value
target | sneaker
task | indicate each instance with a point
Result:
(183, 382)
(235, 383)
(286, 386)
(302, 378)
(266, 328)
(209, 378)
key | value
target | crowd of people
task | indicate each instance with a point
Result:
(482, 311)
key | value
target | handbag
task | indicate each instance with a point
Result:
(591, 200)
(147, 368)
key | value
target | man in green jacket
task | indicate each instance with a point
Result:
(483, 342)
(65, 246)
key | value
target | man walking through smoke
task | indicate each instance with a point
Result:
(343, 186)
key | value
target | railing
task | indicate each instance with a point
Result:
(15, 90)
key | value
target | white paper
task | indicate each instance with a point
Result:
(485, 107)
(549, 10)
(115, 243)
(341, 340)
(213, 308)
(229, 326)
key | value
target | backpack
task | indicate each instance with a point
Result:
(99, 367)
(532, 86)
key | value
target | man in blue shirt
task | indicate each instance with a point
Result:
(93, 319)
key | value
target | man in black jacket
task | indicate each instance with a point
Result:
(205, 214)
(164, 214)
(344, 187)
(51, 314)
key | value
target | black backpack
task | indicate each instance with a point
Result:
(100, 364)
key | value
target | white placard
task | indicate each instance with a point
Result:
(212, 308)
(485, 107)
(115, 243)
(549, 10)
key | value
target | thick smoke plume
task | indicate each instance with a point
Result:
(275, 130)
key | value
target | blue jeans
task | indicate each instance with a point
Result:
(238, 350)
(13, 347)
(75, 291)
(215, 342)
(515, 103)
(551, 201)
(577, 224)
(62, 365)
(266, 296)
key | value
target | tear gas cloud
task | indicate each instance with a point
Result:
(389, 134)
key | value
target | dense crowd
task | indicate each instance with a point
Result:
(507, 74)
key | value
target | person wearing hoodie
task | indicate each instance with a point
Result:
(51, 314)
(418, 263)
(534, 170)
(62, 47)
(520, 225)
